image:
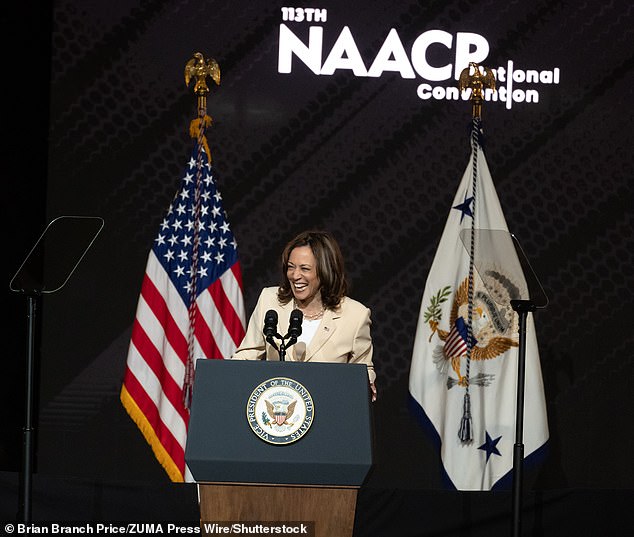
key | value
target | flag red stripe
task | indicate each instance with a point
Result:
(454, 350)
(229, 316)
(154, 360)
(237, 273)
(205, 337)
(157, 304)
(455, 345)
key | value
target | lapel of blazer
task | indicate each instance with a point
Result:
(326, 330)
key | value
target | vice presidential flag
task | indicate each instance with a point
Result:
(190, 307)
(463, 376)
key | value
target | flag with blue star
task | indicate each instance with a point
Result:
(489, 446)
(463, 373)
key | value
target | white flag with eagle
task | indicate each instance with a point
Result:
(464, 370)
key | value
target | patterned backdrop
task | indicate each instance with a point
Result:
(369, 160)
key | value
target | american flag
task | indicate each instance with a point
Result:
(456, 343)
(190, 307)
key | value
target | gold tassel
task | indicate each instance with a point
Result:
(194, 132)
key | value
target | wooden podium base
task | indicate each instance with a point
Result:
(331, 509)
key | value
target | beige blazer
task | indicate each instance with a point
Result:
(342, 336)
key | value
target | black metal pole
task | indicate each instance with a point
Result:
(28, 432)
(522, 307)
(518, 451)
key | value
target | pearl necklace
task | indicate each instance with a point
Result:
(310, 316)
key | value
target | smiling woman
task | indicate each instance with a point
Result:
(335, 328)
(301, 273)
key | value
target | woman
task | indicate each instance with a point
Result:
(335, 328)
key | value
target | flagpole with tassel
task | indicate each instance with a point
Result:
(476, 79)
(198, 68)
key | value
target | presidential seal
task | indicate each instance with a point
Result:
(280, 410)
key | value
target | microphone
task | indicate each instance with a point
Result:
(270, 324)
(295, 325)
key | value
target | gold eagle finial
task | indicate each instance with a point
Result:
(200, 69)
(476, 78)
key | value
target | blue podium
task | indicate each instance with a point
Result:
(280, 441)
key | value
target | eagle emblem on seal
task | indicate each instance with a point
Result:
(494, 330)
(279, 411)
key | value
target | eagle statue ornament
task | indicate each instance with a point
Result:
(200, 69)
(482, 77)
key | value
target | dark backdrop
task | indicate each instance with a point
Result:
(362, 157)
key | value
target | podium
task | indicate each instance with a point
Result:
(274, 442)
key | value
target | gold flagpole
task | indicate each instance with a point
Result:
(476, 79)
(199, 69)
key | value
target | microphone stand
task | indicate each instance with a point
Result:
(281, 350)
(289, 339)
(284, 344)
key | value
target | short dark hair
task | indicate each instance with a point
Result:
(330, 267)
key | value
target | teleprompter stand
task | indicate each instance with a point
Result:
(243, 478)
(46, 269)
(499, 252)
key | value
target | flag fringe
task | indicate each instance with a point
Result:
(147, 430)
